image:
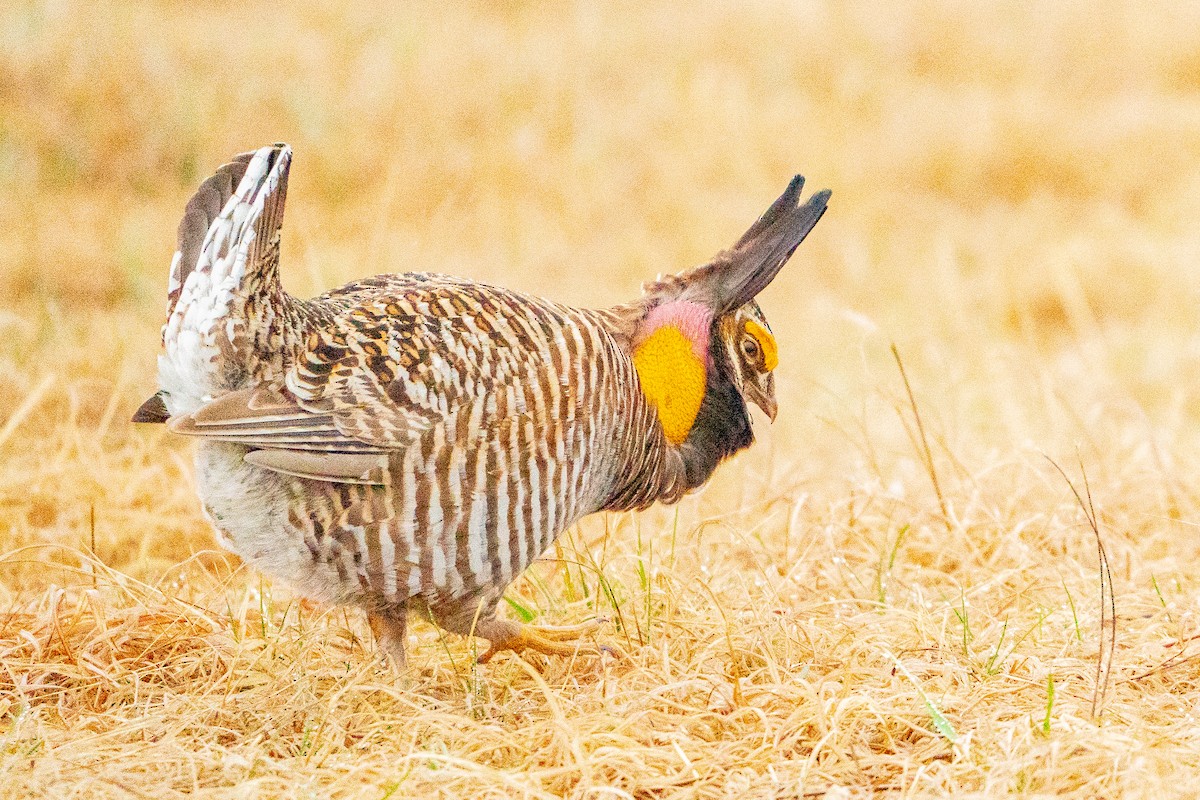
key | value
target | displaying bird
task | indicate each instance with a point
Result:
(414, 441)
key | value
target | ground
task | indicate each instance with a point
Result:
(895, 592)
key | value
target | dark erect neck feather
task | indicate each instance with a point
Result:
(722, 427)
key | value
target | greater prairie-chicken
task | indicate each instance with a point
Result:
(415, 441)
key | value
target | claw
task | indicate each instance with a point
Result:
(551, 640)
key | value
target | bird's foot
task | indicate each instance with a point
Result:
(552, 640)
(390, 635)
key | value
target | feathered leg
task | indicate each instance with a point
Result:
(390, 629)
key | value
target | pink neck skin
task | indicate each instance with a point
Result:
(692, 319)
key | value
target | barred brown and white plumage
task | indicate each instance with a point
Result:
(418, 440)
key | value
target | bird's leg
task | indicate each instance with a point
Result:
(561, 640)
(564, 633)
(390, 627)
(478, 618)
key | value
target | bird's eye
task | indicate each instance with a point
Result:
(750, 347)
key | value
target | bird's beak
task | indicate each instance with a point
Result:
(770, 407)
(764, 399)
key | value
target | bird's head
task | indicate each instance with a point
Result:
(703, 349)
(750, 347)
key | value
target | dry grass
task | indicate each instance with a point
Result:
(1016, 190)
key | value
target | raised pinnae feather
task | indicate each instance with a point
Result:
(758, 258)
(736, 275)
(784, 203)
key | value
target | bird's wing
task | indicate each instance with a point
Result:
(372, 381)
(291, 439)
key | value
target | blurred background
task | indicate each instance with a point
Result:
(1016, 188)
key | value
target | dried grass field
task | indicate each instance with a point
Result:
(896, 592)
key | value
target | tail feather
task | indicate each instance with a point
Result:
(228, 252)
(204, 207)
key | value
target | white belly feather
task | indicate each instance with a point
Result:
(248, 506)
